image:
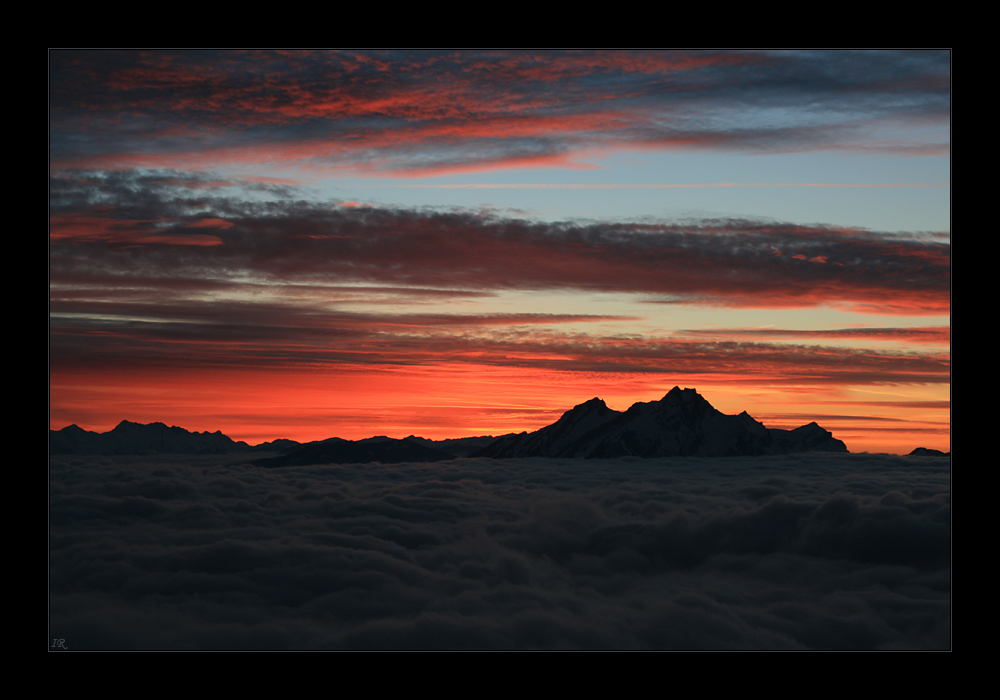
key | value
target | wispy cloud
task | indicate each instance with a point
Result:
(156, 333)
(929, 335)
(427, 112)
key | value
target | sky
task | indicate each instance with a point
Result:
(451, 243)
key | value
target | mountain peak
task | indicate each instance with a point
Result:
(556, 439)
(685, 395)
(127, 424)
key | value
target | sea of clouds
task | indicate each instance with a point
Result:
(817, 551)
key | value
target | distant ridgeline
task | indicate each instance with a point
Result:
(682, 423)
(129, 438)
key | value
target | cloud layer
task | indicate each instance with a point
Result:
(819, 552)
(133, 276)
(427, 112)
(127, 226)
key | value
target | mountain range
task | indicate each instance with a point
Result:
(129, 438)
(682, 423)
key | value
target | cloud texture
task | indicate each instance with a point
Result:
(151, 263)
(431, 112)
(798, 552)
(114, 228)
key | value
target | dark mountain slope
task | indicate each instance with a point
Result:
(682, 423)
(337, 451)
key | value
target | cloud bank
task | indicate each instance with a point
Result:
(797, 552)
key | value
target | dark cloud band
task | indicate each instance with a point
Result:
(795, 552)
(129, 224)
(426, 112)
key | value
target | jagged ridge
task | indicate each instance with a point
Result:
(135, 438)
(682, 423)
(337, 451)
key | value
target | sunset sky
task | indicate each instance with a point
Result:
(452, 243)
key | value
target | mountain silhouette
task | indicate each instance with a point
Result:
(928, 452)
(376, 449)
(129, 438)
(682, 423)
